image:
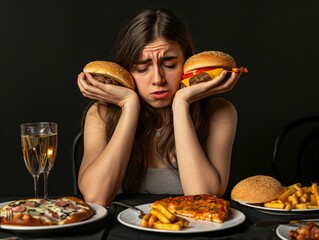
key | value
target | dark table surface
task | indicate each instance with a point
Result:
(110, 228)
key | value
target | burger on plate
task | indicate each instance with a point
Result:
(257, 189)
(207, 65)
(110, 72)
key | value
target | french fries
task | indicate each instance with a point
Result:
(297, 196)
(145, 220)
(161, 208)
(167, 226)
(160, 217)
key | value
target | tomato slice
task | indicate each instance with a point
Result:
(196, 72)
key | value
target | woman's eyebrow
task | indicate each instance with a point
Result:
(168, 58)
(143, 61)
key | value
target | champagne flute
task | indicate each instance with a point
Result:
(35, 139)
(51, 155)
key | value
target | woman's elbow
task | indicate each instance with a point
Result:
(95, 196)
(96, 200)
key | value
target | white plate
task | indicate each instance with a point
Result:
(282, 231)
(100, 212)
(276, 211)
(130, 218)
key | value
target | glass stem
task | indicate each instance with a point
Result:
(45, 184)
(35, 183)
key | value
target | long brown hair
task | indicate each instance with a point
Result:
(134, 36)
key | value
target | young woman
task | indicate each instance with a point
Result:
(158, 138)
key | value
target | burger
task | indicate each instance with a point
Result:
(206, 66)
(257, 189)
(110, 73)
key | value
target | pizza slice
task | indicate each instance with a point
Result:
(44, 212)
(200, 207)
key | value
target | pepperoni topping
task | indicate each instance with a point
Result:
(18, 209)
(30, 204)
(63, 203)
(55, 215)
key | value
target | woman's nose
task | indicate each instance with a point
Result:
(159, 78)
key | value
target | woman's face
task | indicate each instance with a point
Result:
(158, 72)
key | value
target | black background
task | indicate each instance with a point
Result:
(45, 44)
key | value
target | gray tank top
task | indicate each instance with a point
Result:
(162, 181)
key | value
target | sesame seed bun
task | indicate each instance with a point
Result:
(257, 189)
(111, 70)
(209, 59)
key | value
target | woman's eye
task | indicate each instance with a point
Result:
(141, 70)
(170, 65)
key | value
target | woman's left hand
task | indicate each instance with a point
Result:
(199, 91)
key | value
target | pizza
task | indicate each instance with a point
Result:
(200, 207)
(44, 212)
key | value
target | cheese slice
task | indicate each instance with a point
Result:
(212, 73)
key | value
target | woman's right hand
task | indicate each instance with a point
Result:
(218, 85)
(93, 89)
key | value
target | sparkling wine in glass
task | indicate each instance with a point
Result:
(51, 155)
(35, 141)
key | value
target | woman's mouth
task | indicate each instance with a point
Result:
(160, 94)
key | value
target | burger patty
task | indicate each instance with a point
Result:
(202, 77)
(105, 79)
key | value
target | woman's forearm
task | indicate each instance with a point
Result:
(102, 178)
(194, 167)
(204, 171)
